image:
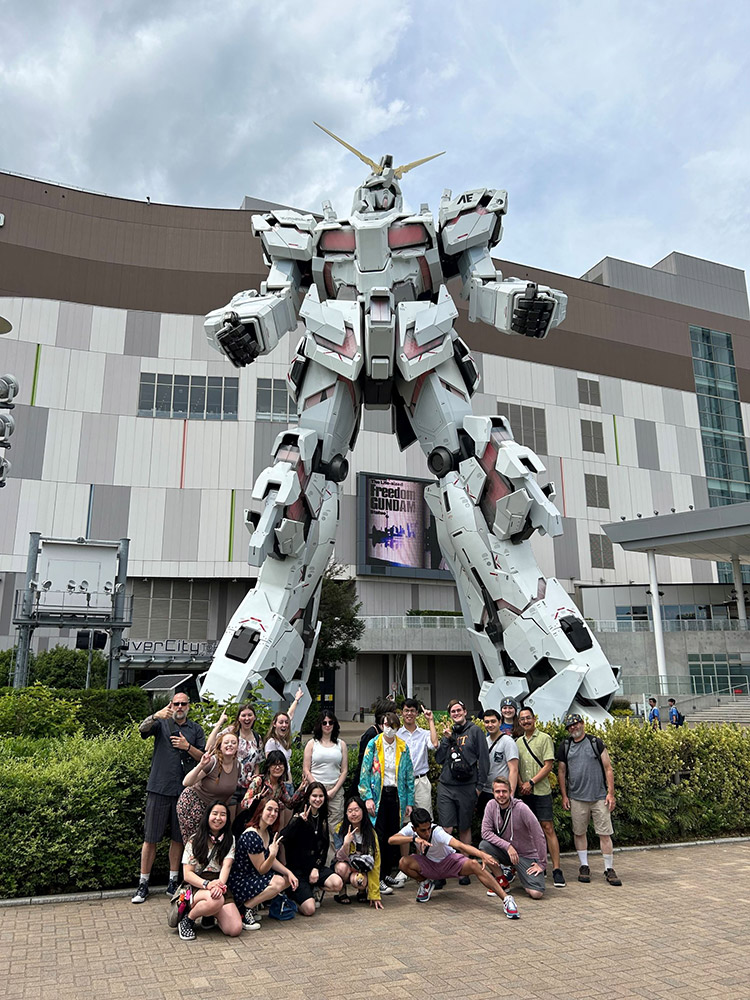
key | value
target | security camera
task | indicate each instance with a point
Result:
(46, 585)
(71, 586)
(8, 389)
(84, 586)
(7, 426)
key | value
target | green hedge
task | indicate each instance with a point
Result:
(73, 805)
(53, 712)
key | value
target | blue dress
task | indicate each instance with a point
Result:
(245, 880)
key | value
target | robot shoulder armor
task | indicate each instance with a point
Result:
(472, 219)
(286, 235)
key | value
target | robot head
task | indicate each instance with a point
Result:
(381, 191)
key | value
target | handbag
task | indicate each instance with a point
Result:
(282, 908)
(182, 900)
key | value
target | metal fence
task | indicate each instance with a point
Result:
(671, 625)
(732, 686)
(412, 621)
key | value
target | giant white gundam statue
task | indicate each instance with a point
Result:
(370, 291)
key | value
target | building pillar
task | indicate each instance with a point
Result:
(661, 659)
(409, 675)
(737, 575)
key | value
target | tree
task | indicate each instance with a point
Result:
(61, 667)
(340, 627)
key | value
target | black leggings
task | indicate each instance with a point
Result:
(388, 822)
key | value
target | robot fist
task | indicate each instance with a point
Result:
(532, 312)
(238, 340)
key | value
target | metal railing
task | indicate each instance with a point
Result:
(733, 686)
(671, 625)
(412, 621)
(40, 605)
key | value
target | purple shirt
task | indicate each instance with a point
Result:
(522, 832)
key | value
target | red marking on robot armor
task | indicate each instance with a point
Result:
(346, 350)
(413, 350)
(424, 268)
(413, 234)
(341, 240)
(417, 390)
(495, 487)
(328, 281)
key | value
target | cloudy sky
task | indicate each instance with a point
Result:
(618, 128)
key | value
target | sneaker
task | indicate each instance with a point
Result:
(392, 883)
(207, 922)
(255, 910)
(186, 929)
(438, 883)
(465, 880)
(584, 873)
(509, 873)
(250, 922)
(558, 879)
(385, 889)
(141, 893)
(511, 910)
(425, 890)
(501, 881)
(611, 876)
(400, 880)
(172, 886)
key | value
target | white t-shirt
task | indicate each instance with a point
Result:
(273, 744)
(389, 760)
(418, 742)
(440, 842)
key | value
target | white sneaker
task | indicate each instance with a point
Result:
(511, 910)
(400, 880)
(491, 893)
(385, 890)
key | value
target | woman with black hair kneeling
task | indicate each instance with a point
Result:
(358, 855)
(306, 846)
(257, 875)
(208, 860)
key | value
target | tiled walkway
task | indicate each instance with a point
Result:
(678, 928)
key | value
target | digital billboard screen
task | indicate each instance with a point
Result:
(396, 530)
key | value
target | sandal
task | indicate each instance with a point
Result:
(362, 896)
(343, 898)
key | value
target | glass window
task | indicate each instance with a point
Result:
(263, 399)
(180, 396)
(231, 392)
(163, 407)
(146, 395)
(198, 397)
(213, 398)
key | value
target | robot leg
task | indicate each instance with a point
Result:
(272, 635)
(528, 638)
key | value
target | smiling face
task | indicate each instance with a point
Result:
(181, 706)
(410, 716)
(228, 746)
(354, 814)
(508, 713)
(458, 714)
(577, 731)
(277, 771)
(526, 720)
(491, 724)
(270, 812)
(217, 818)
(316, 799)
(282, 724)
(501, 794)
(247, 718)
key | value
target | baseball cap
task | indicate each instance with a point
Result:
(571, 719)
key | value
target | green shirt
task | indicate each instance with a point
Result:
(542, 745)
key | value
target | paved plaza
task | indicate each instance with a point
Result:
(676, 928)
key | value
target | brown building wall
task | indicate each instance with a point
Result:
(76, 246)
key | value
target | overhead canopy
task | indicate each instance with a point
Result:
(718, 533)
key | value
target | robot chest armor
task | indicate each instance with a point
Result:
(351, 260)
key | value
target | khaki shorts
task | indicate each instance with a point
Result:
(582, 812)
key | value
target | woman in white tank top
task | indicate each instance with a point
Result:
(325, 760)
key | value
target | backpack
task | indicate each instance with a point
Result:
(282, 908)
(459, 767)
(680, 720)
(597, 745)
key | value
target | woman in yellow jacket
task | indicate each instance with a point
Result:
(357, 858)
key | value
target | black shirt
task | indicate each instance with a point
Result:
(169, 765)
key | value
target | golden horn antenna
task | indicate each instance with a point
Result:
(375, 167)
(399, 172)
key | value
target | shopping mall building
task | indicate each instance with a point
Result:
(128, 425)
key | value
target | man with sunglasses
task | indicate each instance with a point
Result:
(178, 744)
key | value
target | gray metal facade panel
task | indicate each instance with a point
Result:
(9, 499)
(121, 381)
(701, 571)
(10, 582)
(74, 326)
(647, 444)
(700, 493)
(661, 491)
(689, 449)
(565, 547)
(483, 404)
(265, 435)
(142, 334)
(29, 440)
(346, 533)
(110, 512)
(703, 270)
(377, 420)
(674, 409)
(182, 511)
(200, 349)
(566, 387)
(610, 391)
(96, 459)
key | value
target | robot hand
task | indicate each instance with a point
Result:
(239, 341)
(532, 311)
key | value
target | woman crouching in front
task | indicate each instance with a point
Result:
(257, 875)
(358, 855)
(208, 859)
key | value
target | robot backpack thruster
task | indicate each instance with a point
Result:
(378, 320)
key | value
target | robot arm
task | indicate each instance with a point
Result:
(253, 323)
(469, 226)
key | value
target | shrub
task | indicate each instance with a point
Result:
(50, 712)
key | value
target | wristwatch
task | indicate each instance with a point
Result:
(205, 883)
(531, 782)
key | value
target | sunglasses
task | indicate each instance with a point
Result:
(327, 722)
(180, 704)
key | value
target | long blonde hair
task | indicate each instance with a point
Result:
(286, 741)
(220, 756)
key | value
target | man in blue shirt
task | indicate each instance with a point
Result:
(674, 715)
(654, 718)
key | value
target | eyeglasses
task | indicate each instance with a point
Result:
(180, 704)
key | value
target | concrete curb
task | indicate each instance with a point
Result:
(86, 897)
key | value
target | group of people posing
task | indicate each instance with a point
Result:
(249, 841)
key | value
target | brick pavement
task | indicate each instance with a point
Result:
(676, 929)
